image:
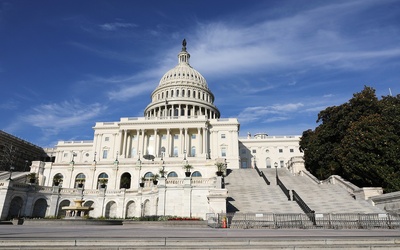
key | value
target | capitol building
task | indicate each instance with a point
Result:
(168, 162)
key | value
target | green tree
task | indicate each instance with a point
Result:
(357, 140)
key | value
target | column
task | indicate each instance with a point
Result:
(129, 148)
(145, 142)
(200, 140)
(186, 143)
(137, 141)
(124, 144)
(168, 149)
(142, 143)
(181, 140)
(205, 145)
(155, 143)
(100, 141)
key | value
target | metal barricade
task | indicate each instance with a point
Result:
(302, 220)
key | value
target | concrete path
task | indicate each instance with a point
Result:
(157, 237)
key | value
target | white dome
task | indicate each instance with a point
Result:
(182, 91)
(183, 73)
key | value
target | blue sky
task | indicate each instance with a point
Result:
(65, 65)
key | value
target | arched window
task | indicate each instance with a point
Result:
(172, 174)
(196, 174)
(58, 179)
(102, 180)
(148, 176)
(80, 180)
(172, 93)
(193, 151)
(268, 162)
(183, 92)
(188, 93)
(177, 93)
(194, 94)
(125, 181)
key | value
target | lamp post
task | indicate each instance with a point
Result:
(26, 164)
(276, 172)
(184, 154)
(163, 172)
(11, 170)
(73, 156)
(94, 157)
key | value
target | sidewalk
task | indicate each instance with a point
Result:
(156, 237)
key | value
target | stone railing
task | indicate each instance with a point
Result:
(203, 181)
(176, 182)
(310, 176)
(338, 180)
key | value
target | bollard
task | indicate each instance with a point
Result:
(224, 222)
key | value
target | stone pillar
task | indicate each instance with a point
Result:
(142, 143)
(181, 141)
(145, 143)
(155, 143)
(137, 142)
(53, 204)
(187, 197)
(217, 200)
(205, 145)
(200, 140)
(168, 149)
(129, 147)
(161, 196)
(124, 144)
(185, 142)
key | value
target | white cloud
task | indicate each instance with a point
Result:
(55, 117)
(127, 92)
(116, 25)
(278, 112)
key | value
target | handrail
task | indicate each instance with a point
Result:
(261, 174)
(284, 189)
(303, 205)
(265, 178)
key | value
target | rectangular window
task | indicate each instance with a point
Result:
(105, 153)
(254, 151)
(193, 136)
(176, 137)
(107, 138)
(280, 150)
(164, 137)
(222, 136)
(282, 164)
(223, 152)
(291, 150)
(65, 154)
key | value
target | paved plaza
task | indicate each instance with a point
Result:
(157, 237)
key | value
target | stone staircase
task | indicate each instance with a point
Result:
(248, 193)
(324, 198)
